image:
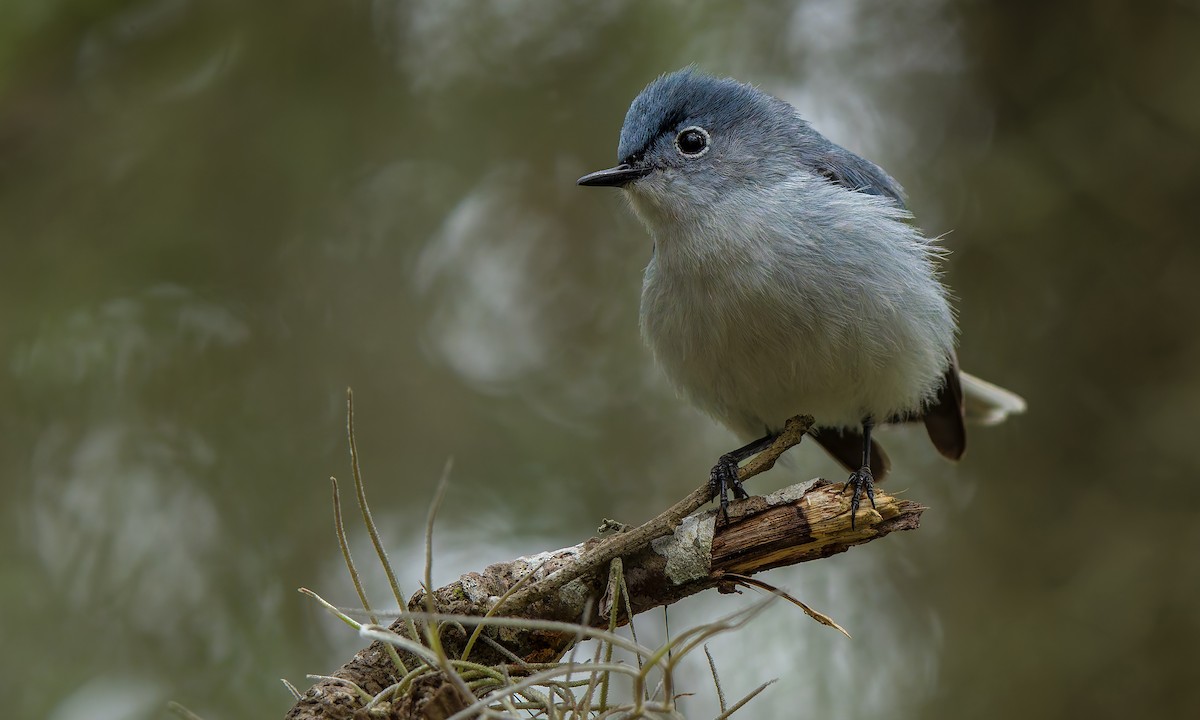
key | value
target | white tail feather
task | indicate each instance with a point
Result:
(988, 404)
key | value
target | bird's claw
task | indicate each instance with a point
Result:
(722, 478)
(860, 480)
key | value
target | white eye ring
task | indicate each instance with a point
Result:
(701, 151)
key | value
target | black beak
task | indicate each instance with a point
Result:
(618, 176)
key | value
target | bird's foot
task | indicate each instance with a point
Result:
(861, 480)
(723, 477)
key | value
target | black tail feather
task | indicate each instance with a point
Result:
(846, 446)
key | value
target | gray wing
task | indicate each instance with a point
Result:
(943, 416)
(840, 166)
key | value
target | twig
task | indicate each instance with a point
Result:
(627, 542)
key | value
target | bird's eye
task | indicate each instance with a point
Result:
(692, 141)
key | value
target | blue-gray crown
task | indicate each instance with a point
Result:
(687, 94)
(722, 104)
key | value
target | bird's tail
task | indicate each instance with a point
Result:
(988, 404)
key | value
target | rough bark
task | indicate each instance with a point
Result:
(680, 553)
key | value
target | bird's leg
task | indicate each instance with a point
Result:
(862, 479)
(724, 474)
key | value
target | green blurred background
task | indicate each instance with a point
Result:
(215, 216)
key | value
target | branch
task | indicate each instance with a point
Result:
(679, 553)
(631, 541)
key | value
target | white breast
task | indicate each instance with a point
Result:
(790, 309)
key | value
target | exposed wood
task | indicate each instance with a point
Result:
(677, 554)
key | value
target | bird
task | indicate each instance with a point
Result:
(788, 277)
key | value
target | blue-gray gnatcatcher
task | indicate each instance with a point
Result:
(787, 278)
